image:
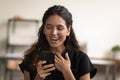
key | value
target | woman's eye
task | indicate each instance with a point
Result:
(60, 27)
(48, 27)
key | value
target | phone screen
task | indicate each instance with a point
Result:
(47, 56)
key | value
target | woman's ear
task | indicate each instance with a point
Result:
(68, 31)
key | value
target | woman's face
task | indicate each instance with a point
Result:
(56, 31)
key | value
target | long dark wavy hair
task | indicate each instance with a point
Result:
(71, 43)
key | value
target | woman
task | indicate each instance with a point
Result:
(56, 35)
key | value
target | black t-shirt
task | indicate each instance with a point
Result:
(80, 65)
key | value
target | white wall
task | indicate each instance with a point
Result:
(95, 21)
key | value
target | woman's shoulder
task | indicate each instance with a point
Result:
(76, 52)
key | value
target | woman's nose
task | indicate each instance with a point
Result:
(54, 31)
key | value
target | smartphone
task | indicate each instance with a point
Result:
(47, 56)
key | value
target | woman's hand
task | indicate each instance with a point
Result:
(44, 70)
(62, 64)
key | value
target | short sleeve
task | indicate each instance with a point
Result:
(85, 66)
(24, 66)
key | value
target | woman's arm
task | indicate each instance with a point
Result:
(85, 77)
(26, 75)
(68, 75)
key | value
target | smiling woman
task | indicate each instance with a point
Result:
(56, 36)
(56, 31)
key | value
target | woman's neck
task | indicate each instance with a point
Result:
(58, 50)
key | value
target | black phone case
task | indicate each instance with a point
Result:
(47, 56)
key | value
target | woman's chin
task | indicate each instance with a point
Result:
(54, 45)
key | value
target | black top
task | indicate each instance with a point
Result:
(80, 65)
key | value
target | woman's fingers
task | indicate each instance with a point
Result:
(45, 67)
(58, 56)
(44, 70)
(48, 68)
(40, 63)
(62, 63)
(45, 75)
(67, 57)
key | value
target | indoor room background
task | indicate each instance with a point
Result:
(96, 22)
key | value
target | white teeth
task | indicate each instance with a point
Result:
(54, 39)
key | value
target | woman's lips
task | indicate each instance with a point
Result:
(54, 39)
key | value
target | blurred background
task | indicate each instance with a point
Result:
(96, 24)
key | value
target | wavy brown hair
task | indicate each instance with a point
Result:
(71, 43)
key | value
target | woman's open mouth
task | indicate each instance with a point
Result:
(54, 39)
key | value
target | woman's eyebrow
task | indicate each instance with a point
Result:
(49, 24)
